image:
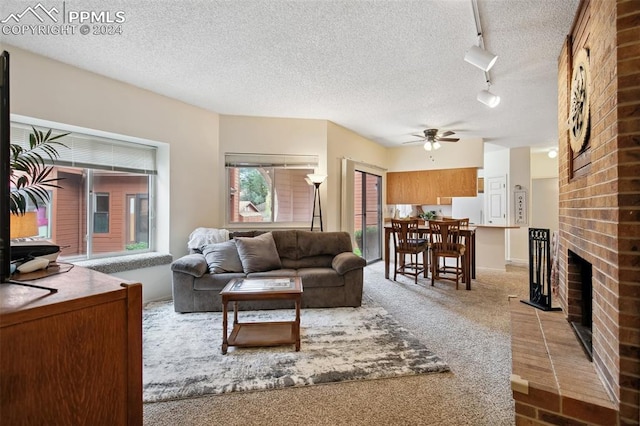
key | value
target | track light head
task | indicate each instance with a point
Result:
(481, 58)
(488, 98)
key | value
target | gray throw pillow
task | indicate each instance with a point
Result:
(258, 254)
(222, 257)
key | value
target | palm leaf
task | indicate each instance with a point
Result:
(30, 175)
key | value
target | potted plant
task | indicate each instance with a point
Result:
(428, 215)
(30, 176)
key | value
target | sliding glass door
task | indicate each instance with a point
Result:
(368, 215)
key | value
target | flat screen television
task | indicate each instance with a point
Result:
(5, 143)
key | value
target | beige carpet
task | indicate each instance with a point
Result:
(468, 329)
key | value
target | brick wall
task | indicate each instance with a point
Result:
(600, 204)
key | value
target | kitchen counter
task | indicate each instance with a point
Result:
(491, 246)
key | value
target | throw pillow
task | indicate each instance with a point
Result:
(222, 257)
(258, 254)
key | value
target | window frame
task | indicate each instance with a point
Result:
(265, 161)
(96, 206)
(121, 144)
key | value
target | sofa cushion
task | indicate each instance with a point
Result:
(319, 243)
(215, 282)
(320, 277)
(222, 257)
(323, 261)
(258, 254)
(276, 273)
(286, 243)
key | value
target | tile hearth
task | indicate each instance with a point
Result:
(553, 381)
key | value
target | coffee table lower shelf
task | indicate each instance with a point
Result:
(264, 334)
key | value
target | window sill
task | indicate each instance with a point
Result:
(112, 265)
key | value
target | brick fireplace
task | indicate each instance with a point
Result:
(600, 194)
(599, 236)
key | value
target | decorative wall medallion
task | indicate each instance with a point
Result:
(579, 114)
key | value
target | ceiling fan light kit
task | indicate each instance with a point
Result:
(431, 145)
(480, 58)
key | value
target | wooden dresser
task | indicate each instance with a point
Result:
(73, 357)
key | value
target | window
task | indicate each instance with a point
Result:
(101, 213)
(104, 206)
(266, 188)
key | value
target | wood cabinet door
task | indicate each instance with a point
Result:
(422, 187)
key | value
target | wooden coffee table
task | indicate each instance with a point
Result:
(273, 333)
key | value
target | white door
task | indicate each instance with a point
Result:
(495, 190)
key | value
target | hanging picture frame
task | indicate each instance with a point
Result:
(520, 208)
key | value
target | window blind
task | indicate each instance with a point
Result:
(271, 160)
(93, 152)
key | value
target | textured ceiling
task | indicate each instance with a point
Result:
(384, 69)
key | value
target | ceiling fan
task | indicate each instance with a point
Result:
(432, 138)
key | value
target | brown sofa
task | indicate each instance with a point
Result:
(332, 275)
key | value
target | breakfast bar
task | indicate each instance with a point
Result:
(468, 232)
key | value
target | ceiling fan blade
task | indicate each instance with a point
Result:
(419, 136)
(404, 143)
(448, 139)
(447, 133)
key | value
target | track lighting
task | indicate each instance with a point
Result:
(488, 98)
(481, 58)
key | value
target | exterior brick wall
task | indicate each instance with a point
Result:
(600, 206)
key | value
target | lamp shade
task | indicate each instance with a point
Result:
(24, 225)
(488, 98)
(481, 58)
(316, 179)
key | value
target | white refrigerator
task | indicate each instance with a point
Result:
(471, 207)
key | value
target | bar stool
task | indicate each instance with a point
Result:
(407, 241)
(446, 244)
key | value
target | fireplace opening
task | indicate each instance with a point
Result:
(580, 287)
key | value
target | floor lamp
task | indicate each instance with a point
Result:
(316, 180)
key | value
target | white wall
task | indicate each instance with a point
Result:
(261, 135)
(452, 155)
(519, 174)
(343, 143)
(544, 191)
(542, 166)
(46, 89)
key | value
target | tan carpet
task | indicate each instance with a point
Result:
(468, 329)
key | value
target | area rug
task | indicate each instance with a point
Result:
(182, 356)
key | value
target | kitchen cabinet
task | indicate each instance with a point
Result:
(422, 187)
